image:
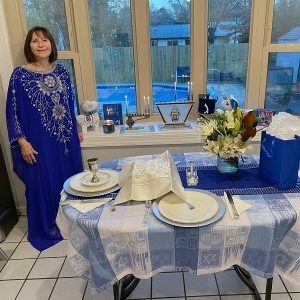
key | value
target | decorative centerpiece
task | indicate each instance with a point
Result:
(227, 134)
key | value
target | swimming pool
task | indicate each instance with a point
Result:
(108, 94)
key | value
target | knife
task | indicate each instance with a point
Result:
(230, 199)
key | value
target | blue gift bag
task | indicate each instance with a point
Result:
(279, 160)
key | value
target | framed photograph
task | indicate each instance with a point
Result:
(113, 112)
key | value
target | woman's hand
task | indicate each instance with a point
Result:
(80, 135)
(27, 151)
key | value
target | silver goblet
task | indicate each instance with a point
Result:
(93, 166)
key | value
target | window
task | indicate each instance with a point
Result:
(52, 15)
(286, 25)
(170, 23)
(228, 43)
(111, 36)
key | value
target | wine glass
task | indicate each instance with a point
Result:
(93, 166)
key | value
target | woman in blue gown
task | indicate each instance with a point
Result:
(41, 123)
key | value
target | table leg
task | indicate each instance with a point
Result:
(269, 288)
(124, 287)
(248, 281)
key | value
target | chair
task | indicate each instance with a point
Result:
(182, 74)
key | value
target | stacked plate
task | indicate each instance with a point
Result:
(172, 210)
(81, 184)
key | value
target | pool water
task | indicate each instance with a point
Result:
(108, 94)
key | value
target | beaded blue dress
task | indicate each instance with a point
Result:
(40, 108)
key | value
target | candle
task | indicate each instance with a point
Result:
(148, 107)
(175, 90)
(126, 103)
(108, 126)
(145, 108)
(191, 97)
(188, 95)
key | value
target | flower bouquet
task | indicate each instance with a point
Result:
(227, 133)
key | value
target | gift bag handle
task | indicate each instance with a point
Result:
(268, 153)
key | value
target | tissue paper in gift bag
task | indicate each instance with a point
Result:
(279, 160)
(143, 180)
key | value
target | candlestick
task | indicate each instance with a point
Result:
(145, 108)
(175, 83)
(191, 92)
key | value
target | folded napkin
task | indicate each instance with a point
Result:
(147, 180)
(85, 205)
(240, 205)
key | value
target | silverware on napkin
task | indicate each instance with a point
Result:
(100, 200)
(230, 199)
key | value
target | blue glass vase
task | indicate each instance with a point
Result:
(227, 165)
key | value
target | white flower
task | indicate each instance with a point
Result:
(230, 120)
(208, 128)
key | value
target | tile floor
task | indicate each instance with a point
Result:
(33, 275)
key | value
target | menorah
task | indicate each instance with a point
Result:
(130, 121)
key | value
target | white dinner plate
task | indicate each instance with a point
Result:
(216, 217)
(174, 209)
(103, 177)
(75, 182)
(88, 195)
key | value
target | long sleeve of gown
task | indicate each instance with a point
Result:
(15, 130)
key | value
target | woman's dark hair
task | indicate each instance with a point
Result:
(46, 33)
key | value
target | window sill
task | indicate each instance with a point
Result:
(158, 138)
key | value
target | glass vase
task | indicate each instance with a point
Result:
(227, 165)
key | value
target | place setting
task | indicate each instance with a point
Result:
(157, 183)
(94, 182)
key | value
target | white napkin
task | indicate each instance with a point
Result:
(240, 205)
(147, 180)
(85, 207)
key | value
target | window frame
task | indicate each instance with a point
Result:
(81, 48)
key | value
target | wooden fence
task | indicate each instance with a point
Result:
(117, 64)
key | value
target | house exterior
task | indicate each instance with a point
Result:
(179, 34)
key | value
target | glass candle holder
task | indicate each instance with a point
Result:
(108, 126)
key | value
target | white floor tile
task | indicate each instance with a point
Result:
(167, 285)
(16, 235)
(9, 289)
(291, 287)
(203, 298)
(230, 283)
(2, 264)
(58, 250)
(295, 296)
(36, 289)
(25, 238)
(238, 297)
(277, 286)
(8, 248)
(68, 289)
(22, 222)
(67, 270)
(25, 250)
(200, 285)
(105, 295)
(168, 298)
(46, 268)
(278, 296)
(143, 290)
(16, 269)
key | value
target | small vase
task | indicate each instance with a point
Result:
(227, 165)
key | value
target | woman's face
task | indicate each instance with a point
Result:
(40, 46)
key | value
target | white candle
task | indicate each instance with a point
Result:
(188, 88)
(148, 107)
(191, 97)
(126, 103)
(175, 83)
(145, 108)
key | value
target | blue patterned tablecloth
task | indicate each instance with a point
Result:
(106, 245)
